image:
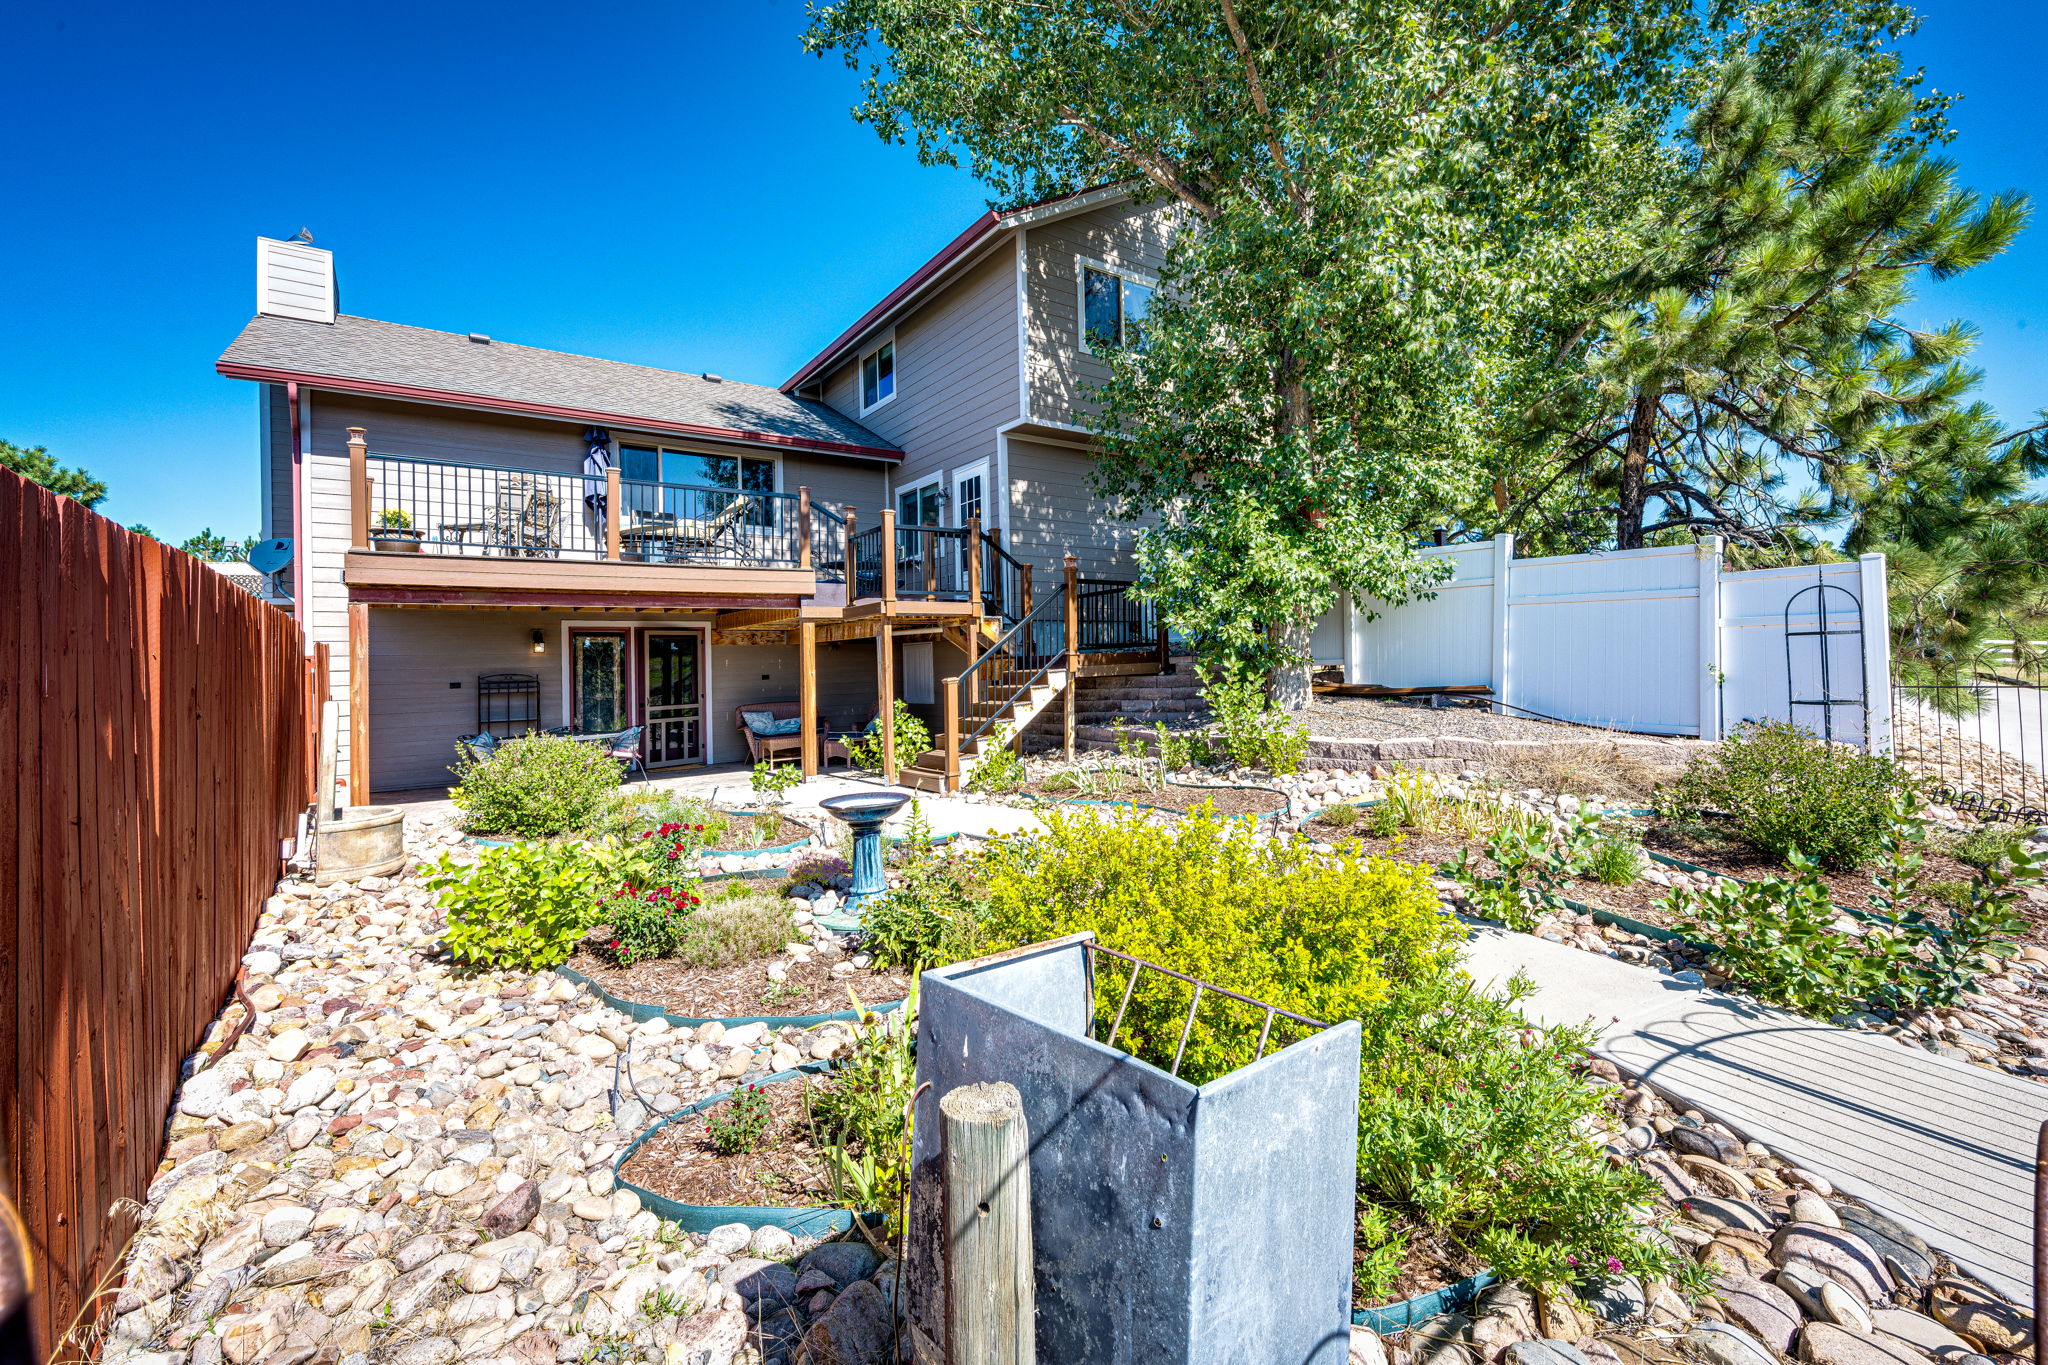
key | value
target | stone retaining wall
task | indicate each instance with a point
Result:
(1450, 753)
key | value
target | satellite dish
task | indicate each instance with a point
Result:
(269, 556)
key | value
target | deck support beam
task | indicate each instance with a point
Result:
(807, 693)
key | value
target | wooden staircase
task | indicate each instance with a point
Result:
(937, 771)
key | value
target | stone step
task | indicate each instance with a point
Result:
(1146, 684)
(1141, 706)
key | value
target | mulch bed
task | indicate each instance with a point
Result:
(1227, 800)
(741, 990)
(743, 831)
(782, 1171)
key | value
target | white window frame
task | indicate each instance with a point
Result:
(860, 375)
(935, 479)
(1125, 275)
(979, 469)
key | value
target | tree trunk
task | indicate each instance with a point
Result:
(1289, 682)
(1635, 468)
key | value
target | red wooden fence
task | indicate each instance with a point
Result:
(155, 742)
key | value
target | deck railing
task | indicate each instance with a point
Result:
(1112, 620)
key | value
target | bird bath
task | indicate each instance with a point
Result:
(863, 813)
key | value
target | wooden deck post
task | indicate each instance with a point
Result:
(803, 527)
(611, 513)
(1024, 592)
(885, 674)
(807, 690)
(888, 554)
(852, 570)
(358, 489)
(359, 703)
(974, 564)
(1073, 604)
(991, 1309)
(931, 565)
(950, 740)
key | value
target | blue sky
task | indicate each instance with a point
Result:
(676, 185)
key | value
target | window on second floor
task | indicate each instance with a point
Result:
(1113, 308)
(695, 470)
(878, 376)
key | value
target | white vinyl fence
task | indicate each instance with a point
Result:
(1657, 641)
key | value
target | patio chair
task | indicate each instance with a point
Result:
(725, 531)
(624, 745)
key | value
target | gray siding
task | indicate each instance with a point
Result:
(1115, 235)
(276, 442)
(1055, 509)
(956, 376)
(415, 653)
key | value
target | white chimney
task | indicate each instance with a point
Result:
(294, 280)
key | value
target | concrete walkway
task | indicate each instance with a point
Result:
(1944, 1147)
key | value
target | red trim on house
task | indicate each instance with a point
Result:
(976, 230)
(565, 601)
(377, 388)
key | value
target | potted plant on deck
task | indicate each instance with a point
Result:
(393, 531)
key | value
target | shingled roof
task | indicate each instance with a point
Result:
(366, 356)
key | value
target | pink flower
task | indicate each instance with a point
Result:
(1613, 1266)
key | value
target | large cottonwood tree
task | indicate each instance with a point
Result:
(1371, 187)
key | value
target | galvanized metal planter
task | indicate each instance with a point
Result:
(1204, 1225)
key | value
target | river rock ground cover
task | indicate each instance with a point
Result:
(399, 1161)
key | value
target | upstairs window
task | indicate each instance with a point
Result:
(878, 376)
(1113, 309)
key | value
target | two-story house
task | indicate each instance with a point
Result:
(489, 536)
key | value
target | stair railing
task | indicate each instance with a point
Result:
(988, 690)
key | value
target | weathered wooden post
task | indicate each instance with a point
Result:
(1073, 587)
(803, 526)
(611, 513)
(991, 1306)
(949, 735)
(888, 555)
(358, 489)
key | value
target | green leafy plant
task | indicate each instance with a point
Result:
(629, 811)
(1779, 939)
(1615, 862)
(1322, 934)
(1251, 730)
(858, 1117)
(1382, 1250)
(1091, 782)
(394, 519)
(931, 917)
(1343, 815)
(739, 1124)
(535, 787)
(1534, 864)
(772, 782)
(659, 857)
(650, 924)
(1787, 789)
(522, 905)
(998, 771)
(912, 739)
(1180, 750)
(1986, 846)
(1477, 1124)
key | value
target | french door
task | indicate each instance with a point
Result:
(600, 696)
(673, 678)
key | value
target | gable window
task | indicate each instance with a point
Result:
(878, 376)
(1113, 308)
(687, 469)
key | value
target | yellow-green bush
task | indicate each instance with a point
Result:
(1323, 935)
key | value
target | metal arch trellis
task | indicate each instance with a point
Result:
(1823, 631)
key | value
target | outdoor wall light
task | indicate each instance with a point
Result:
(540, 641)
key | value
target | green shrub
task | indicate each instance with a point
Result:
(1986, 846)
(1319, 934)
(1615, 862)
(1475, 1123)
(735, 926)
(663, 856)
(739, 1124)
(1382, 1252)
(912, 739)
(649, 924)
(1180, 750)
(1787, 789)
(857, 1116)
(998, 771)
(1924, 945)
(1251, 730)
(631, 810)
(535, 788)
(1534, 863)
(524, 905)
(772, 782)
(930, 918)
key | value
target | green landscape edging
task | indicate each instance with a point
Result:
(640, 1012)
(807, 1221)
(1389, 1318)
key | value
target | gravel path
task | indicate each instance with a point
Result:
(1380, 718)
(406, 1164)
